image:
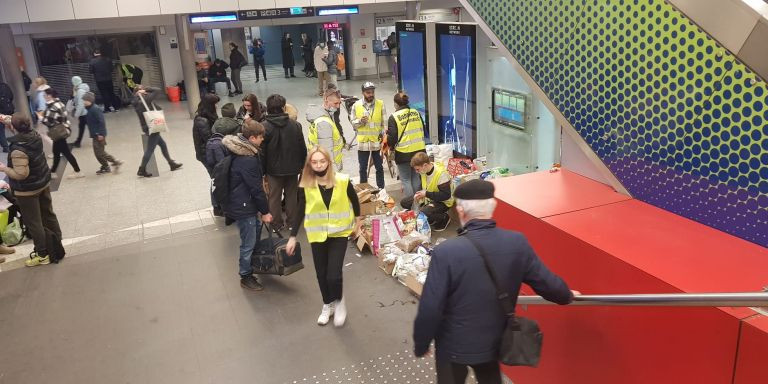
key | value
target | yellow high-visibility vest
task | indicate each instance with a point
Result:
(337, 220)
(434, 182)
(338, 142)
(370, 133)
(410, 130)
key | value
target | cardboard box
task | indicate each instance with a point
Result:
(368, 208)
(413, 284)
(364, 240)
(386, 267)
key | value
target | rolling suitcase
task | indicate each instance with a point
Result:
(270, 258)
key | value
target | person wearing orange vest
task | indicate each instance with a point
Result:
(330, 211)
(434, 198)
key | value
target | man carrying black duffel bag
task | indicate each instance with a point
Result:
(242, 177)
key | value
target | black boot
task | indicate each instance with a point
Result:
(174, 165)
(143, 172)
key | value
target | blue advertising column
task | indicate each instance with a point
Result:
(416, 70)
(457, 87)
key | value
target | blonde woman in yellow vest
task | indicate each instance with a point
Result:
(434, 195)
(367, 117)
(405, 134)
(323, 131)
(330, 212)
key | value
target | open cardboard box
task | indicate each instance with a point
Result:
(413, 284)
(386, 267)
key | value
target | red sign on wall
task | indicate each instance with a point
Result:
(331, 26)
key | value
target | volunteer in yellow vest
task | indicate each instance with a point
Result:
(405, 134)
(434, 197)
(323, 131)
(367, 117)
(330, 211)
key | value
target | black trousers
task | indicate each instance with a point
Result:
(453, 373)
(61, 147)
(108, 95)
(329, 260)
(213, 80)
(437, 212)
(153, 142)
(80, 130)
(260, 64)
(38, 214)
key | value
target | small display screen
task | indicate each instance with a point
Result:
(509, 108)
(337, 11)
(212, 18)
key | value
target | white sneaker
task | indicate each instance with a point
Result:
(76, 175)
(325, 314)
(340, 317)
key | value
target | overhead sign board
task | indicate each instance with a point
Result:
(276, 13)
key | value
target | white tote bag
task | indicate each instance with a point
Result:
(155, 118)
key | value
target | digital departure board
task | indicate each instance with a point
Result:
(276, 13)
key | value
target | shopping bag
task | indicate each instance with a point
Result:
(59, 132)
(3, 220)
(155, 118)
(13, 233)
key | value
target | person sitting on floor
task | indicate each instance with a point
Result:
(434, 198)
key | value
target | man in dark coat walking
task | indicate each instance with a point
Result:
(287, 49)
(459, 308)
(101, 67)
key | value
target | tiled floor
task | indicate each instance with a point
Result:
(97, 212)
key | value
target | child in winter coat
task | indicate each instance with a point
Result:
(98, 129)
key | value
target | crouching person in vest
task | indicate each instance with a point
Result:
(323, 130)
(247, 198)
(330, 210)
(30, 180)
(434, 198)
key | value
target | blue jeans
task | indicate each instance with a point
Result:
(250, 233)
(410, 178)
(362, 158)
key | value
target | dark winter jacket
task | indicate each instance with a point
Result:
(101, 67)
(6, 99)
(459, 308)
(236, 59)
(218, 69)
(287, 47)
(226, 126)
(258, 53)
(202, 129)
(241, 113)
(332, 61)
(28, 171)
(246, 190)
(138, 106)
(95, 120)
(393, 139)
(215, 150)
(284, 148)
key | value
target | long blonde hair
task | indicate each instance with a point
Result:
(308, 177)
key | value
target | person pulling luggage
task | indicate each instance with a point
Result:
(330, 211)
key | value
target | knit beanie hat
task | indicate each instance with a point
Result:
(89, 96)
(76, 80)
(228, 110)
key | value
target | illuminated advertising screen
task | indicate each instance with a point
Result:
(456, 87)
(411, 66)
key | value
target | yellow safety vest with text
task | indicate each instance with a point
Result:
(338, 142)
(336, 220)
(410, 131)
(434, 182)
(370, 133)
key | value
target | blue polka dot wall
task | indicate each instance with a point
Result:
(680, 121)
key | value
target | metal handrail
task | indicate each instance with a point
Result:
(745, 299)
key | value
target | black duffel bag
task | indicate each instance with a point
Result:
(270, 257)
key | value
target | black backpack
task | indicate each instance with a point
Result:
(220, 187)
(6, 99)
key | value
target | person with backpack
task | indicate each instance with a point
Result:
(79, 90)
(30, 179)
(331, 60)
(97, 127)
(55, 117)
(284, 154)
(148, 94)
(236, 62)
(215, 152)
(330, 211)
(238, 187)
(6, 108)
(202, 126)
